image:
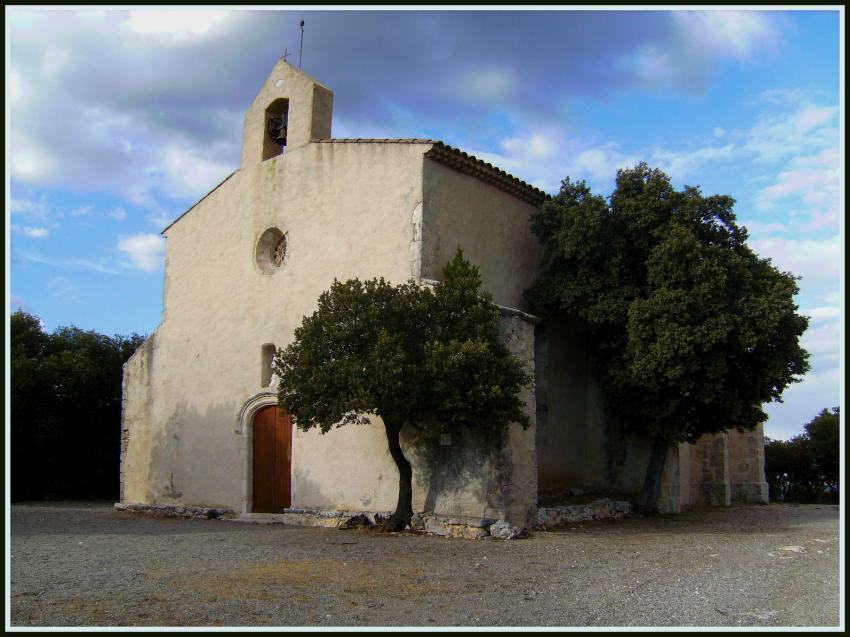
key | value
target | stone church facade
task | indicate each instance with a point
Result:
(247, 262)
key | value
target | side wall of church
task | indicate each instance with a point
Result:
(491, 226)
(580, 452)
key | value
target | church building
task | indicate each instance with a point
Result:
(247, 262)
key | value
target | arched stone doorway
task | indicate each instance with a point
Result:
(274, 448)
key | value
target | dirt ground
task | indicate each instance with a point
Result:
(86, 564)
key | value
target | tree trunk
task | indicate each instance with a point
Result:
(648, 502)
(404, 508)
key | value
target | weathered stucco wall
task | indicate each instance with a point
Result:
(490, 225)
(746, 466)
(569, 436)
(579, 449)
(137, 407)
(347, 211)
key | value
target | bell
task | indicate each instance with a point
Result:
(276, 128)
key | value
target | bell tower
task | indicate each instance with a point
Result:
(290, 110)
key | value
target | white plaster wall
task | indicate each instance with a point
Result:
(490, 225)
(348, 212)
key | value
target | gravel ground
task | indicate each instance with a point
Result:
(84, 564)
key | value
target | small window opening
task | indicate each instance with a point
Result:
(277, 123)
(266, 372)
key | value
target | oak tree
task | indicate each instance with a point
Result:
(692, 331)
(413, 355)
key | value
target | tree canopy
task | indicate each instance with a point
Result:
(410, 354)
(692, 331)
(806, 468)
(65, 409)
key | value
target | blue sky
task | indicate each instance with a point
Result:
(120, 120)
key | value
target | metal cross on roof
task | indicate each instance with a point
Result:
(285, 55)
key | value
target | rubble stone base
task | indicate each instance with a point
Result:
(177, 510)
(551, 517)
(463, 527)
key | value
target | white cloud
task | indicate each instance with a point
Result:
(823, 341)
(15, 88)
(174, 23)
(700, 40)
(161, 218)
(832, 297)
(34, 232)
(486, 84)
(54, 62)
(816, 260)
(680, 164)
(29, 161)
(757, 229)
(727, 34)
(190, 173)
(599, 166)
(17, 303)
(29, 208)
(653, 64)
(71, 263)
(777, 136)
(778, 97)
(145, 251)
(535, 144)
(811, 183)
(822, 313)
(22, 19)
(117, 213)
(64, 290)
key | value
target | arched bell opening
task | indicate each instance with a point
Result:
(276, 125)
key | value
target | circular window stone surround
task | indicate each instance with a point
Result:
(271, 250)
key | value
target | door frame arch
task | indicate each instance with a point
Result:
(245, 429)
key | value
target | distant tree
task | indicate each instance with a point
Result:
(412, 355)
(27, 389)
(780, 467)
(65, 409)
(823, 434)
(692, 331)
(806, 467)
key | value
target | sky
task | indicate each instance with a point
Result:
(119, 120)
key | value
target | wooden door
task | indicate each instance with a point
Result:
(272, 460)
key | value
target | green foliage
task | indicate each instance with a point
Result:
(806, 468)
(65, 409)
(692, 331)
(406, 353)
(824, 436)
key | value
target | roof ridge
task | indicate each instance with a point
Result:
(460, 161)
(373, 140)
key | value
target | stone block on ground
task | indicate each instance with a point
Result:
(504, 531)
